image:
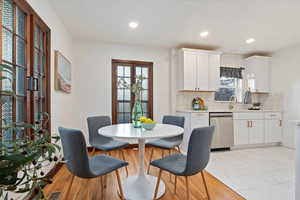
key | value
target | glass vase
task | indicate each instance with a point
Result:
(137, 112)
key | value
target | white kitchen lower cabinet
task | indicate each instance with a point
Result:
(241, 132)
(257, 132)
(256, 128)
(273, 130)
(192, 120)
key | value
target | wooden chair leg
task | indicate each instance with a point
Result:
(175, 185)
(105, 181)
(157, 184)
(102, 188)
(187, 188)
(151, 155)
(205, 185)
(93, 151)
(120, 185)
(123, 157)
(170, 151)
(179, 149)
(69, 188)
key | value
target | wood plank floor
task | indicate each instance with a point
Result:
(90, 189)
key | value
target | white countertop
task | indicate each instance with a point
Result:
(224, 110)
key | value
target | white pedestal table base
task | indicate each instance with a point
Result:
(142, 187)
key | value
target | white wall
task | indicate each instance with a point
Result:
(92, 75)
(285, 81)
(61, 103)
(232, 60)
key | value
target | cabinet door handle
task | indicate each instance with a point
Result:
(248, 124)
(280, 123)
(251, 124)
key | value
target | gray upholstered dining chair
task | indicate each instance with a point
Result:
(81, 165)
(168, 143)
(100, 142)
(194, 162)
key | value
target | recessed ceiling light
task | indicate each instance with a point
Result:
(133, 24)
(250, 40)
(204, 34)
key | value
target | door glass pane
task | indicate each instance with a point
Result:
(36, 36)
(127, 94)
(120, 118)
(21, 52)
(120, 71)
(127, 107)
(20, 109)
(120, 107)
(144, 95)
(7, 83)
(37, 110)
(20, 23)
(120, 94)
(138, 71)
(145, 107)
(7, 45)
(41, 41)
(145, 72)
(127, 118)
(43, 64)
(6, 110)
(145, 84)
(20, 81)
(41, 87)
(7, 14)
(36, 61)
(127, 71)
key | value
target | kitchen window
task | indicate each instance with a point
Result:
(122, 98)
(231, 84)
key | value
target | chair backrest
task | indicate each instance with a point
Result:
(198, 150)
(94, 124)
(174, 120)
(75, 152)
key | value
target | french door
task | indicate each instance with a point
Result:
(25, 48)
(122, 98)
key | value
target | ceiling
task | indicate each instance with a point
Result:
(274, 24)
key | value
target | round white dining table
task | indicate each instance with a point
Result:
(142, 186)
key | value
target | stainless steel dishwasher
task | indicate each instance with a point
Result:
(223, 134)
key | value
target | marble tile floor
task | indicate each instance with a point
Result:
(257, 174)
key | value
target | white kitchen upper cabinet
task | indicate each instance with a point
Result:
(257, 132)
(199, 70)
(241, 132)
(202, 72)
(214, 71)
(258, 73)
(273, 130)
(190, 62)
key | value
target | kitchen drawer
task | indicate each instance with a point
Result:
(200, 114)
(248, 115)
(273, 115)
(199, 120)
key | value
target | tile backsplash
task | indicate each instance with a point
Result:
(269, 101)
